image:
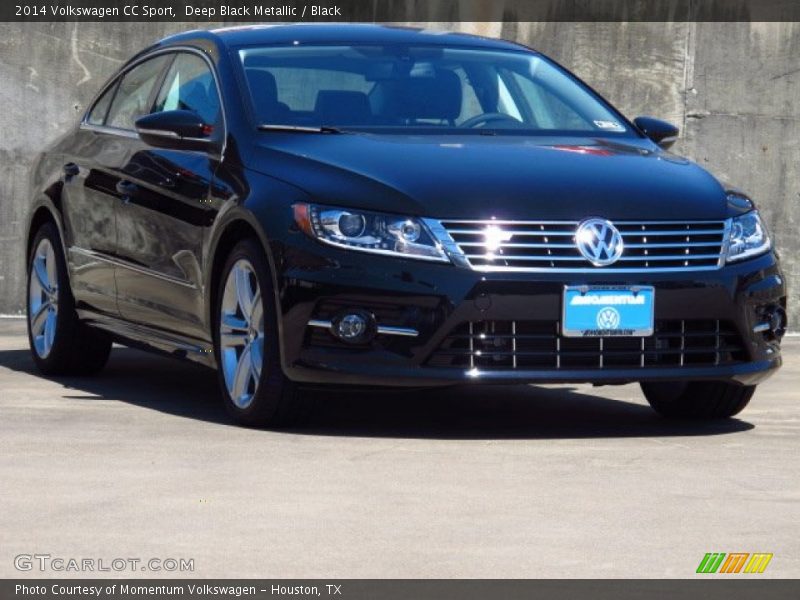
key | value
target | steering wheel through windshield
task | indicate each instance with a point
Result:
(487, 118)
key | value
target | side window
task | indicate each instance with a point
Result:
(100, 109)
(131, 101)
(190, 85)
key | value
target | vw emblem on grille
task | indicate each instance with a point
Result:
(599, 242)
(608, 318)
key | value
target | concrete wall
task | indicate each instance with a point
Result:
(733, 87)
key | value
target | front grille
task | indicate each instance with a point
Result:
(496, 245)
(539, 345)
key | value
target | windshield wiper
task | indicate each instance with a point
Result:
(300, 128)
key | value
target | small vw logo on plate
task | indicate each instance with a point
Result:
(608, 318)
(599, 242)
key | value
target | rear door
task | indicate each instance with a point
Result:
(90, 193)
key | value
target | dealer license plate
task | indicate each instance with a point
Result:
(591, 311)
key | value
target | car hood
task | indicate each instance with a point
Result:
(476, 176)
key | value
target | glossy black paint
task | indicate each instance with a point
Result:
(424, 175)
(146, 228)
(662, 133)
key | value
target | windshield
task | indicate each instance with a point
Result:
(422, 88)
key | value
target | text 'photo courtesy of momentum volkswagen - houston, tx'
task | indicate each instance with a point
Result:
(373, 205)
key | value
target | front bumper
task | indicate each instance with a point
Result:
(450, 307)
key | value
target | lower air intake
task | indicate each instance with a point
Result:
(538, 345)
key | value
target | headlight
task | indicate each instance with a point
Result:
(365, 231)
(748, 237)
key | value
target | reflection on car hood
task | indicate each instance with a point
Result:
(475, 176)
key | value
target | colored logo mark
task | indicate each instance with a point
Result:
(735, 562)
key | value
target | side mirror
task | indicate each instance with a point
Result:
(662, 133)
(177, 129)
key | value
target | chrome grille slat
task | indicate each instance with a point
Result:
(667, 245)
(530, 257)
(675, 232)
(671, 257)
(573, 223)
(550, 245)
(509, 245)
(539, 345)
(516, 232)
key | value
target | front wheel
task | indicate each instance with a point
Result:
(256, 391)
(697, 399)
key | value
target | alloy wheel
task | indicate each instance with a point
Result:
(241, 333)
(43, 298)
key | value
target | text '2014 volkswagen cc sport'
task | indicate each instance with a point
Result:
(379, 206)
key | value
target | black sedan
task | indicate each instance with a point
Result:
(381, 206)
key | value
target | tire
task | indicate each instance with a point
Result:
(255, 390)
(697, 399)
(59, 342)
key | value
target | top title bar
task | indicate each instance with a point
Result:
(248, 11)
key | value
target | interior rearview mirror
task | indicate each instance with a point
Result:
(179, 129)
(662, 133)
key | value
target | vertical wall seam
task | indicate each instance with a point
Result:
(688, 68)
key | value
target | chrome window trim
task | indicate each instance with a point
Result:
(126, 133)
(459, 258)
(130, 133)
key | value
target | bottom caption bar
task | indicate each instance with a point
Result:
(357, 589)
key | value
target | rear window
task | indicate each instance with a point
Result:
(299, 89)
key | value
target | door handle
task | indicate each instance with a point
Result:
(126, 189)
(71, 169)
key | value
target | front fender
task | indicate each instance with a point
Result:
(251, 202)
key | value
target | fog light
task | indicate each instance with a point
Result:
(353, 326)
(777, 322)
(773, 323)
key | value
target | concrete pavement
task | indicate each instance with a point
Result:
(563, 481)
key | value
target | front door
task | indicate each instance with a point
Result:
(162, 220)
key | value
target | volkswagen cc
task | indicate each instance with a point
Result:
(364, 205)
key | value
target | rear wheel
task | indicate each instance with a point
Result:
(60, 343)
(697, 399)
(256, 391)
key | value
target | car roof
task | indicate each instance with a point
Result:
(316, 33)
